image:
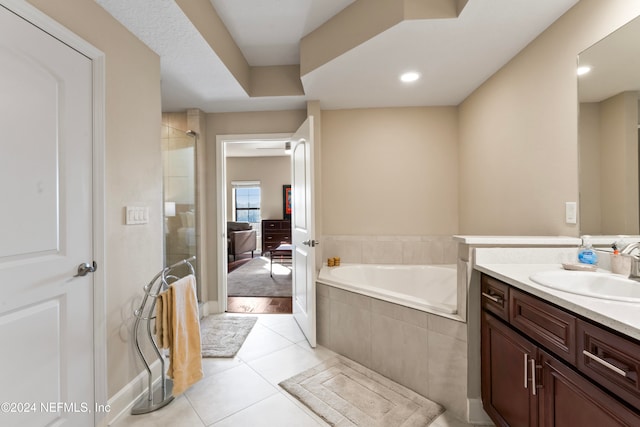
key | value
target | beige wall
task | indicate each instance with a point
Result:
(619, 163)
(608, 136)
(590, 169)
(133, 171)
(390, 171)
(272, 172)
(518, 131)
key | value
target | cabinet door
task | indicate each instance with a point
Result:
(508, 393)
(568, 400)
(610, 360)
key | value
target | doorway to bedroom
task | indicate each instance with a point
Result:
(257, 176)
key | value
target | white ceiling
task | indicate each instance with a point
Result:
(455, 56)
(268, 32)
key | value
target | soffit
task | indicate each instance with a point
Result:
(454, 55)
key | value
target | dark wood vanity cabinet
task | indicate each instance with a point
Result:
(506, 379)
(533, 366)
(568, 399)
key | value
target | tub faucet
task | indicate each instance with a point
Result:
(635, 259)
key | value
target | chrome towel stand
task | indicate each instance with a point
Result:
(161, 396)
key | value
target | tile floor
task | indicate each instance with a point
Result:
(243, 391)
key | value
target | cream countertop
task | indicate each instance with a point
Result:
(597, 240)
(518, 240)
(620, 316)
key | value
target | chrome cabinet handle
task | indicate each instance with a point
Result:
(86, 268)
(493, 298)
(526, 374)
(604, 363)
(533, 376)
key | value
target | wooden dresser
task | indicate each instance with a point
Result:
(275, 232)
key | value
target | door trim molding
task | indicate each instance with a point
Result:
(221, 198)
(97, 57)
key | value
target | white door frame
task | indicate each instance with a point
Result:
(47, 24)
(221, 197)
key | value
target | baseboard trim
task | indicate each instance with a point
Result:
(476, 413)
(209, 307)
(122, 402)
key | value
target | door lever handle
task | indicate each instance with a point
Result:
(86, 268)
(311, 243)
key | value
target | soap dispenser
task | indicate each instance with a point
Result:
(586, 253)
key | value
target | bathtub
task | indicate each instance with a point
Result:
(429, 288)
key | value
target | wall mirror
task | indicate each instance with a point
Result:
(608, 133)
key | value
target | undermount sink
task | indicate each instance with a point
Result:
(592, 284)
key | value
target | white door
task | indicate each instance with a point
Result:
(303, 231)
(46, 314)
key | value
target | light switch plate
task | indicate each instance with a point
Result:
(137, 215)
(571, 212)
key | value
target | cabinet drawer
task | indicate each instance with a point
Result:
(610, 360)
(270, 225)
(270, 245)
(551, 327)
(495, 297)
(277, 237)
(275, 225)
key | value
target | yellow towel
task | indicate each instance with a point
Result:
(163, 310)
(183, 333)
(158, 323)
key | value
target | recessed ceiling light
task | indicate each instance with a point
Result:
(582, 70)
(410, 76)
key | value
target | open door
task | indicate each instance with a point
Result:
(46, 228)
(303, 231)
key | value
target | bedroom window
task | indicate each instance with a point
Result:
(246, 202)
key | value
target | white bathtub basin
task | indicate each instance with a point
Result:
(593, 284)
(431, 288)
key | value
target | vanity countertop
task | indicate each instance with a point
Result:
(518, 240)
(623, 317)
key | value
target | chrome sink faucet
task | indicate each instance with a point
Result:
(629, 248)
(635, 259)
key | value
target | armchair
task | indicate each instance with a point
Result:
(241, 238)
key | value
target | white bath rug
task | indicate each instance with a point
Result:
(223, 335)
(344, 393)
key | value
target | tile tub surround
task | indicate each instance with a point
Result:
(391, 249)
(424, 352)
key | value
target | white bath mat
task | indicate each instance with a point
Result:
(344, 393)
(223, 335)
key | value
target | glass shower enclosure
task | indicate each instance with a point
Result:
(180, 210)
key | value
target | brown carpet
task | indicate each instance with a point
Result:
(344, 393)
(253, 279)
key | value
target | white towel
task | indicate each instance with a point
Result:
(181, 333)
